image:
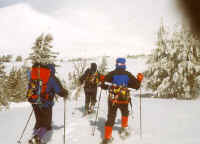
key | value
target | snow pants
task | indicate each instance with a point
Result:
(90, 97)
(112, 111)
(43, 117)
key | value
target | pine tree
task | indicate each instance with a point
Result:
(2, 72)
(42, 50)
(175, 66)
(78, 69)
(16, 84)
(186, 64)
(3, 98)
(103, 65)
(156, 72)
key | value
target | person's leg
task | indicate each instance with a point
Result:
(46, 117)
(125, 114)
(124, 131)
(45, 122)
(112, 110)
(93, 97)
(37, 116)
(87, 100)
(49, 119)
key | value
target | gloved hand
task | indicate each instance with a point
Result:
(80, 82)
(65, 94)
(102, 77)
(140, 77)
(104, 86)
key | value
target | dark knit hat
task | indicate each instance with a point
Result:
(93, 67)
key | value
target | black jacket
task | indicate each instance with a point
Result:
(86, 77)
(132, 81)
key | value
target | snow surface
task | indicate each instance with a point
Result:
(164, 121)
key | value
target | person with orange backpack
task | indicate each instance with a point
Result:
(118, 82)
(43, 86)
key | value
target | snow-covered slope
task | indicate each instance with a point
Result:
(163, 121)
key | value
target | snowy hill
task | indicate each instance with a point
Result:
(89, 28)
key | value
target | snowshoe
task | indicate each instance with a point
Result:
(107, 141)
(124, 132)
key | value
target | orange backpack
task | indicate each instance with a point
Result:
(38, 84)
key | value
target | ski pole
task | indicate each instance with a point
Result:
(64, 117)
(19, 141)
(131, 105)
(140, 115)
(93, 129)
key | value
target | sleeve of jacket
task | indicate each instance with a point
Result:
(133, 82)
(84, 76)
(108, 78)
(55, 85)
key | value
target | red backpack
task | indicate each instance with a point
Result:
(38, 84)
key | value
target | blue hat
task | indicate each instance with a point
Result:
(121, 63)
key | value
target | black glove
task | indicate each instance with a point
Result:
(64, 93)
(104, 86)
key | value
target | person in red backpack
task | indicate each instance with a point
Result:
(118, 82)
(43, 86)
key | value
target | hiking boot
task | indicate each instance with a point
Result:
(107, 141)
(35, 140)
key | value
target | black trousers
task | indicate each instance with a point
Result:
(43, 117)
(112, 111)
(90, 96)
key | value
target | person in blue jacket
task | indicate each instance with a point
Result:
(43, 108)
(118, 82)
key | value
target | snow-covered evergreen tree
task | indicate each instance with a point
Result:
(174, 65)
(156, 72)
(3, 98)
(2, 72)
(79, 68)
(102, 68)
(42, 50)
(16, 84)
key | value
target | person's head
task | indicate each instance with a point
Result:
(93, 67)
(52, 68)
(121, 63)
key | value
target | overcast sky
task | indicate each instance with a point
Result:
(79, 25)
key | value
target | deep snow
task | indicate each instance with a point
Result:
(163, 121)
